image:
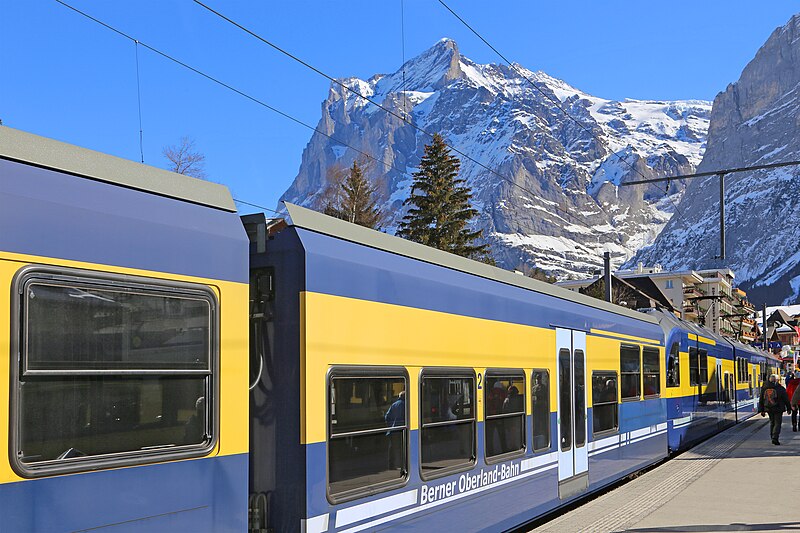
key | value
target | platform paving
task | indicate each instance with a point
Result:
(735, 481)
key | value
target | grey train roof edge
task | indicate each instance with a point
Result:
(302, 217)
(668, 321)
(24, 147)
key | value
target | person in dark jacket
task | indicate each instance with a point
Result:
(792, 381)
(774, 401)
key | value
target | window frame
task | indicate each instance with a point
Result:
(549, 446)
(694, 367)
(676, 374)
(638, 397)
(702, 357)
(500, 373)
(615, 429)
(456, 373)
(350, 371)
(657, 373)
(74, 276)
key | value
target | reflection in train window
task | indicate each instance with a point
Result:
(111, 370)
(702, 355)
(631, 372)
(504, 406)
(694, 366)
(604, 402)
(447, 428)
(674, 366)
(368, 432)
(651, 366)
(540, 396)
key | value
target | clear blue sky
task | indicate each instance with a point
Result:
(65, 77)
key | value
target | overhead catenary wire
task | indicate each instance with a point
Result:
(403, 53)
(375, 103)
(139, 101)
(555, 101)
(257, 206)
(231, 88)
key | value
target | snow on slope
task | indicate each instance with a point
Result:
(557, 204)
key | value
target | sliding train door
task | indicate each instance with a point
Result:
(573, 458)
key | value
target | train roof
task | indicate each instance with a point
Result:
(23, 147)
(669, 321)
(320, 223)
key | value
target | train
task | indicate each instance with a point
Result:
(176, 366)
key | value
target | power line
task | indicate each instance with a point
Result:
(139, 101)
(230, 87)
(370, 100)
(716, 172)
(403, 50)
(257, 206)
(721, 175)
(555, 101)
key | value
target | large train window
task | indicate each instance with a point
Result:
(604, 402)
(540, 396)
(367, 431)
(113, 371)
(674, 366)
(702, 354)
(447, 425)
(631, 372)
(504, 405)
(651, 365)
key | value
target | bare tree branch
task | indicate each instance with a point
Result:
(185, 159)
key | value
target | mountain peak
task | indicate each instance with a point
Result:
(429, 71)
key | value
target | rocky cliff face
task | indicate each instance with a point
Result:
(558, 205)
(753, 122)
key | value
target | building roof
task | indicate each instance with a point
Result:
(17, 145)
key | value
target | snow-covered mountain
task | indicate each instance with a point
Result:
(557, 204)
(753, 122)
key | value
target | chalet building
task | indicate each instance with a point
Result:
(707, 297)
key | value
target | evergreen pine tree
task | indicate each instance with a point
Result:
(440, 207)
(352, 198)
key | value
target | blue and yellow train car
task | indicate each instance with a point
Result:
(397, 386)
(712, 382)
(123, 313)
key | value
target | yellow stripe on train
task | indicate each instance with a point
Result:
(336, 330)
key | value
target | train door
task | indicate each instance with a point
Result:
(719, 383)
(573, 458)
(730, 396)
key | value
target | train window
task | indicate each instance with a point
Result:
(565, 399)
(694, 366)
(368, 432)
(702, 355)
(652, 372)
(631, 372)
(540, 396)
(112, 372)
(674, 366)
(447, 428)
(504, 405)
(604, 402)
(580, 400)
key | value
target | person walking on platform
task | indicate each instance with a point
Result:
(774, 401)
(792, 381)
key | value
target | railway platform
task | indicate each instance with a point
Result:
(735, 481)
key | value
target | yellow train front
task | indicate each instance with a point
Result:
(123, 313)
(400, 387)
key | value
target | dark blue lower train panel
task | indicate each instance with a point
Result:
(692, 420)
(194, 495)
(487, 497)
